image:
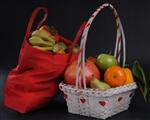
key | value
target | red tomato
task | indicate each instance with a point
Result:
(91, 69)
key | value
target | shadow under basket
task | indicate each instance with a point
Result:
(95, 103)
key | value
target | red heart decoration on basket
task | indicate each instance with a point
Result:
(119, 99)
(82, 100)
(102, 103)
(65, 96)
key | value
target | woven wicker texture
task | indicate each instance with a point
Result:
(96, 103)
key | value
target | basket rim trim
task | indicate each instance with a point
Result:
(106, 93)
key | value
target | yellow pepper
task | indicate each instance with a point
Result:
(61, 51)
(129, 76)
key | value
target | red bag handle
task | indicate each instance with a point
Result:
(32, 18)
(75, 40)
(31, 21)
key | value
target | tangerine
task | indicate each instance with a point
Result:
(115, 76)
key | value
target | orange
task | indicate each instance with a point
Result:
(115, 76)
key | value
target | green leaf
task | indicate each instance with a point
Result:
(139, 74)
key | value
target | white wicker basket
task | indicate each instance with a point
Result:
(93, 102)
(96, 103)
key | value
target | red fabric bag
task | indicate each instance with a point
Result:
(34, 81)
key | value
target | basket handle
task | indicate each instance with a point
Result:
(120, 40)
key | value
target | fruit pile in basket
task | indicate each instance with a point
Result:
(104, 72)
(48, 39)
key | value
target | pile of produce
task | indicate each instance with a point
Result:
(104, 72)
(47, 39)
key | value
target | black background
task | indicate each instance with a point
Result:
(67, 16)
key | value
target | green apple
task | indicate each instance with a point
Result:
(105, 61)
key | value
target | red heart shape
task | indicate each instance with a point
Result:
(102, 103)
(65, 96)
(82, 100)
(119, 99)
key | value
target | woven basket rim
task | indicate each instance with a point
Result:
(90, 91)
